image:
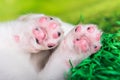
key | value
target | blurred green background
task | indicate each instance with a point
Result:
(105, 13)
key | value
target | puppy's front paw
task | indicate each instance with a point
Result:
(45, 32)
(87, 38)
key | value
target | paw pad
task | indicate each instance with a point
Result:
(56, 35)
(53, 25)
(50, 45)
(39, 34)
(91, 29)
(43, 20)
(98, 36)
(78, 29)
(17, 38)
(96, 48)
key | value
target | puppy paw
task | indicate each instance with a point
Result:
(45, 32)
(87, 39)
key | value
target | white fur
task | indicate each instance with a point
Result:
(14, 58)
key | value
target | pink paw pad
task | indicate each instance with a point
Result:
(50, 45)
(98, 36)
(78, 29)
(43, 20)
(96, 48)
(53, 25)
(39, 34)
(82, 43)
(17, 38)
(56, 35)
(91, 29)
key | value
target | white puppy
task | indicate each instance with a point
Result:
(81, 42)
(20, 39)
